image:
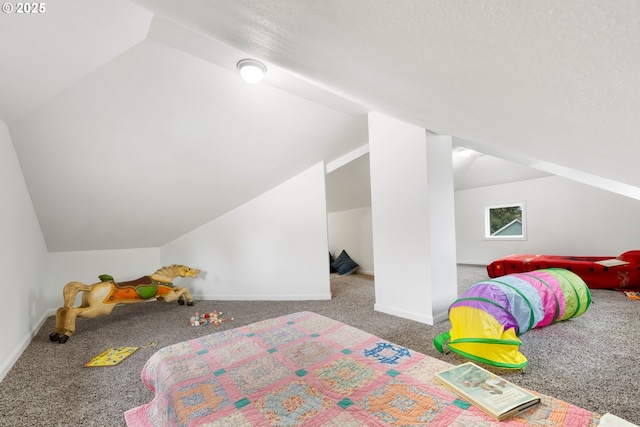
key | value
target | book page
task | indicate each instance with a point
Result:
(484, 388)
(611, 262)
(497, 402)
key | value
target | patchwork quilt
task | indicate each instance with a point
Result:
(305, 369)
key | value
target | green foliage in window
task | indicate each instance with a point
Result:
(499, 217)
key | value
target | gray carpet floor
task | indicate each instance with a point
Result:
(591, 361)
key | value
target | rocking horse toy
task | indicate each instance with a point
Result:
(102, 297)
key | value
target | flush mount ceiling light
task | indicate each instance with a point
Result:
(251, 70)
(465, 152)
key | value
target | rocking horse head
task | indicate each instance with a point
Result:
(176, 270)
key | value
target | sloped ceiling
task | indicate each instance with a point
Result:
(43, 54)
(132, 126)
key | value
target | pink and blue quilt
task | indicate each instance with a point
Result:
(305, 369)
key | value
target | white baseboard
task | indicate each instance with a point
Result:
(429, 320)
(244, 297)
(473, 263)
(370, 273)
(13, 358)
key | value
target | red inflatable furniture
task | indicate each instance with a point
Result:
(599, 272)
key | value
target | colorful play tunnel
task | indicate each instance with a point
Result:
(487, 319)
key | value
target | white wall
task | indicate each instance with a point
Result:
(563, 217)
(22, 259)
(273, 247)
(86, 266)
(350, 230)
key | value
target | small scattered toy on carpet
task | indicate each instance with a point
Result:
(111, 356)
(212, 318)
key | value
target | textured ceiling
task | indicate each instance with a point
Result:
(557, 81)
(116, 106)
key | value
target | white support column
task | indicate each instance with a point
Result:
(413, 220)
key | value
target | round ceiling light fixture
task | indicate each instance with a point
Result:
(251, 70)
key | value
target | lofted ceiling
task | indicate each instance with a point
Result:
(133, 127)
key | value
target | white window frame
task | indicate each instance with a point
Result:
(487, 221)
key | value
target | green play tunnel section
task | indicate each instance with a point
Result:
(487, 319)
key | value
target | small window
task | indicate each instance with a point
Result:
(505, 222)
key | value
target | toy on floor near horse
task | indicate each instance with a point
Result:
(102, 297)
(488, 318)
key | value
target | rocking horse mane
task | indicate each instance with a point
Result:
(170, 270)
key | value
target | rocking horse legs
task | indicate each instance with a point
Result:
(56, 337)
(187, 296)
(66, 319)
(179, 294)
(182, 299)
(61, 335)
